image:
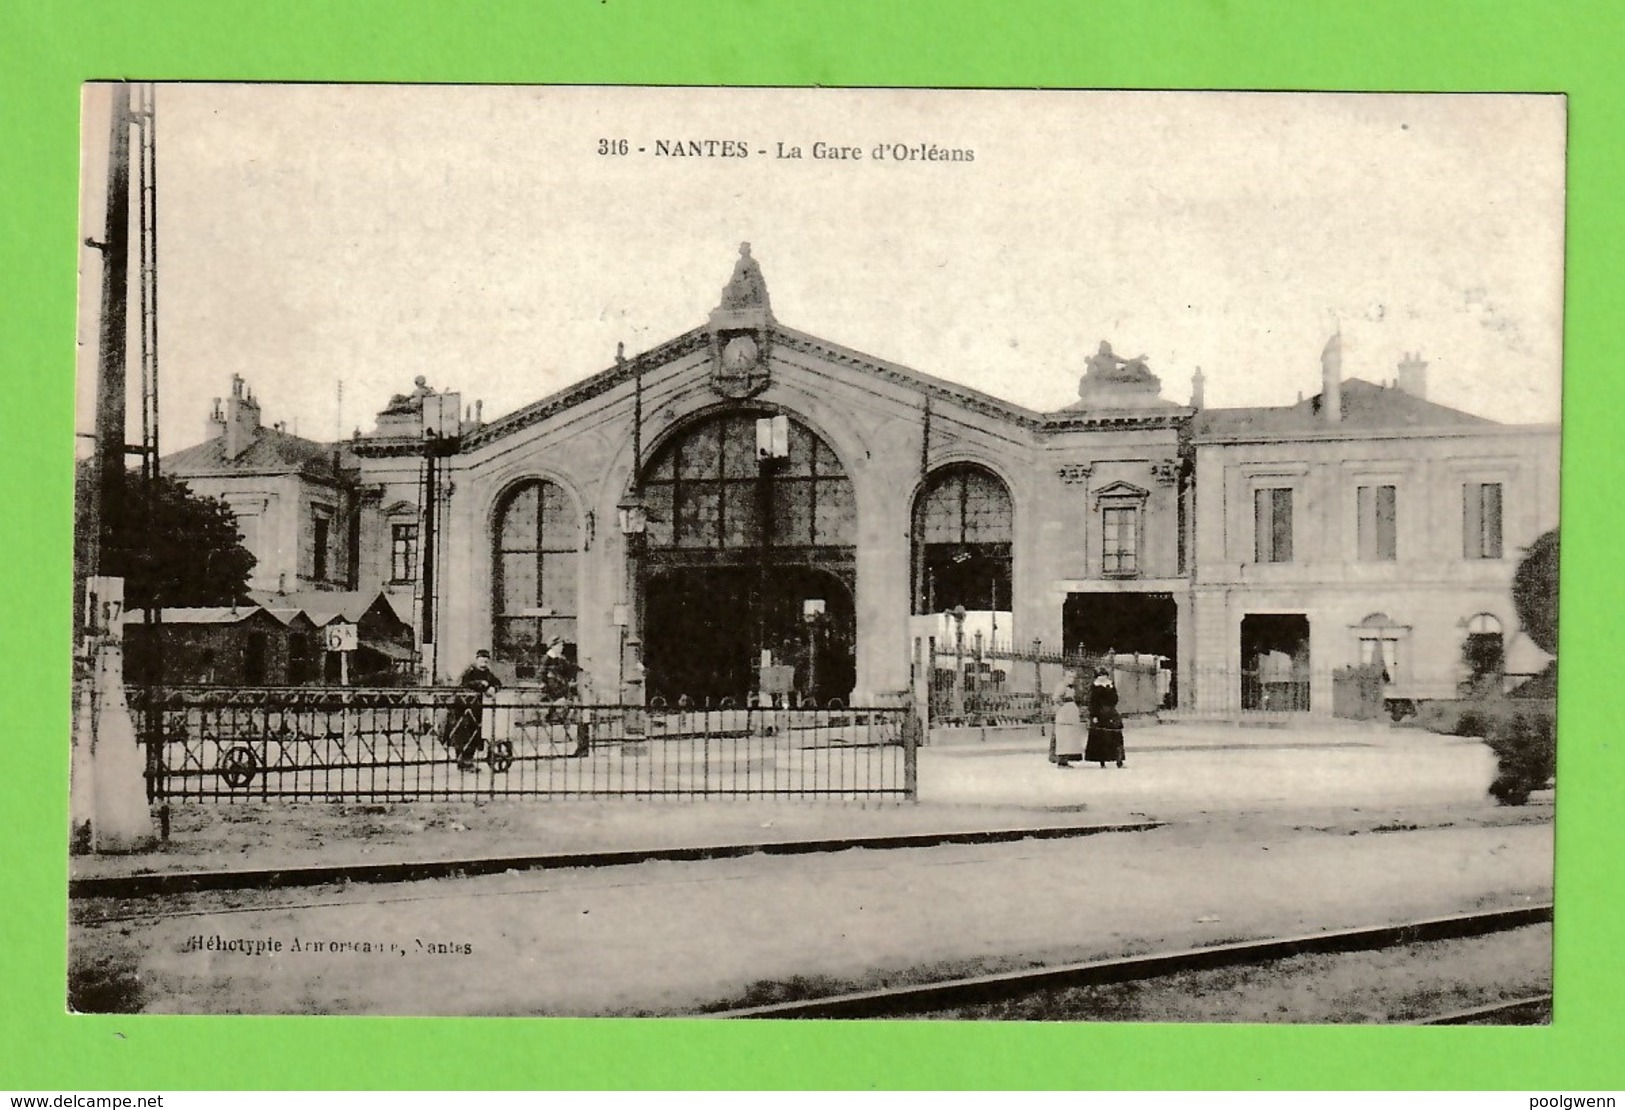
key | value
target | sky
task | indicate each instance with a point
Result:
(331, 243)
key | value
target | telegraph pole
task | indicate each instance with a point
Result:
(110, 791)
(107, 502)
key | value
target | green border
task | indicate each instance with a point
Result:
(46, 50)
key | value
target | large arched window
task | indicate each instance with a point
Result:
(963, 526)
(538, 544)
(708, 489)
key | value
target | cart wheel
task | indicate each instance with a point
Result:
(500, 755)
(238, 766)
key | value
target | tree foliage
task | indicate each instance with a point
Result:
(175, 548)
(1534, 592)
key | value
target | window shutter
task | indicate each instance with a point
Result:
(1386, 531)
(1366, 527)
(1471, 522)
(1492, 520)
(1261, 525)
(1283, 526)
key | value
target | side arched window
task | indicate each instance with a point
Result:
(538, 546)
(963, 527)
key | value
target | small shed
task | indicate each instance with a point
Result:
(384, 653)
(210, 645)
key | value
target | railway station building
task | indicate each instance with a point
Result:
(746, 507)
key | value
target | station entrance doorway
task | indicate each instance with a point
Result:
(1275, 671)
(706, 628)
(748, 558)
(1127, 623)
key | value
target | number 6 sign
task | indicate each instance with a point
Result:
(339, 637)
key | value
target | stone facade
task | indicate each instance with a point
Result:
(1125, 511)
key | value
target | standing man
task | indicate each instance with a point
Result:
(464, 734)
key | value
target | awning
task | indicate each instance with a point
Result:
(390, 650)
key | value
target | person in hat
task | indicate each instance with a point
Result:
(465, 734)
(558, 672)
(1105, 722)
(1068, 728)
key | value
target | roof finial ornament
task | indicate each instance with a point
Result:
(747, 288)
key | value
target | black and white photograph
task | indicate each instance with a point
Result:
(987, 555)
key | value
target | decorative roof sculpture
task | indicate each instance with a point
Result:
(1111, 381)
(747, 289)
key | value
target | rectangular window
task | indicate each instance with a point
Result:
(1120, 533)
(1377, 530)
(321, 526)
(1481, 520)
(1272, 533)
(403, 552)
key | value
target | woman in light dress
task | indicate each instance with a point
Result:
(1068, 728)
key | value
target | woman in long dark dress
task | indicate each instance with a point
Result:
(1105, 723)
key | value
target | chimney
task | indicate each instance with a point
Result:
(1413, 375)
(217, 421)
(1196, 389)
(1331, 379)
(242, 419)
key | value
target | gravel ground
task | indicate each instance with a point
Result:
(1268, 833)
(667, 938)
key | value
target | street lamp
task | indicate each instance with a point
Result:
(958, 614)
(812, 611)
(633, 515)
(441, 426)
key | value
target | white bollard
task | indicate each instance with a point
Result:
(120, 818)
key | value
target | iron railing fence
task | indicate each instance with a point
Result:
(1006, 684)
(306, 742)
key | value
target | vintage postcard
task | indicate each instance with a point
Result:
(1042, 555)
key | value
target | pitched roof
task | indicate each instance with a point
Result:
(688, 343)
(323, 607)
(208, 614)
(272, 450)
(1366, 407)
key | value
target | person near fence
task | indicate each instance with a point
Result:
(1105, 722)
(1068, 728)
(463, 733)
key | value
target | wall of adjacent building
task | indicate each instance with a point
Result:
(1429, 590)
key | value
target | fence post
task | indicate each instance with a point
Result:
(1038, 669)
(911, 755)
(980, 685)
(930, 680)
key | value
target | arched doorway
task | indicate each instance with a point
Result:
(738, 542)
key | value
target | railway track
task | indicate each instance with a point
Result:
(926, 998)
(1519, 1011)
